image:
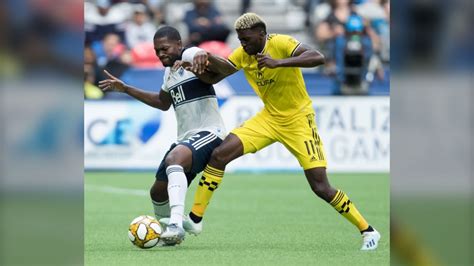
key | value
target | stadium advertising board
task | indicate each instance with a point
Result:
(129, 135)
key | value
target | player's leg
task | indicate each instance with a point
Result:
(252, 136)
(161, 206)
(201, 145)
(169, 190)
(301, 138)
(230, 149)
(159, 199)
(178, 162)
(318, 181)
(159, 190)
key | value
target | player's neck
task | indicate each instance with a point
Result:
(264, 44)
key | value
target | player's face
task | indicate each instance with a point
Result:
(167, 50)
(252, 40)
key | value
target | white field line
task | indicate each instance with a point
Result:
(117, 190)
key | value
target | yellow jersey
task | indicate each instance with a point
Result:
(281, 89)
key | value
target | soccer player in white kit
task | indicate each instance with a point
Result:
(200, 129)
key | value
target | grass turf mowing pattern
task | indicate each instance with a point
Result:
(253, 219)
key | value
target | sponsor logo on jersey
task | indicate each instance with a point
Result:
(177, 94)
(261, 81)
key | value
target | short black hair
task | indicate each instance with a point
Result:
(169, 32)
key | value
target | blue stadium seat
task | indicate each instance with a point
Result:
(319, 84)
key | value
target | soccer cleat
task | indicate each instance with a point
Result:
(371, 240)
(192, 227)
(162, 243)
(189, 226)
(164, 222)
(173, 235)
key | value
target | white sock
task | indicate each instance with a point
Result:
(162, 209)
(177, 187)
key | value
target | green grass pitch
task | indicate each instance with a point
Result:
(253, 219)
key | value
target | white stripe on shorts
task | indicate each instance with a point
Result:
(202, 142)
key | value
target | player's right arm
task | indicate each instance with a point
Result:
(161, 100)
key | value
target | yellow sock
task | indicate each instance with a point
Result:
(210, 180)
(344, 206)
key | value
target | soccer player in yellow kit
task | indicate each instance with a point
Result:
(271, 63)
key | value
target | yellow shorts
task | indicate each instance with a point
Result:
(300, 137)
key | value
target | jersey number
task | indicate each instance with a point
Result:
(312, 147)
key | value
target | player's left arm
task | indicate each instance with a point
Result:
(303, 56)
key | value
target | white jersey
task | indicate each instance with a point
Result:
(194, 102)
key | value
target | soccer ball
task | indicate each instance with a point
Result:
(144, 231)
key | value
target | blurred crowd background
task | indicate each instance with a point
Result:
(354, 35)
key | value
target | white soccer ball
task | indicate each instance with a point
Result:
(144, 231)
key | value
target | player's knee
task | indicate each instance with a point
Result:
(219, 158)
(171, 159)
(322, 190)
(158, 193)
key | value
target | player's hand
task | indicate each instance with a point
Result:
(265, 60)
(112, 83)
(200, 62)
(178, 63)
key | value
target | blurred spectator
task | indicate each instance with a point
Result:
(91, 91)
(330, 28)
(244, 6)
(352, 53)
(157, 9)
(90, 64)
(154, 8)
(378, 13)
(205, 23)
(112, 55)
(140, 29)
(309, 7)
(105, 17)
(349, 41)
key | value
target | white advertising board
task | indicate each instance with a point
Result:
(130, 135)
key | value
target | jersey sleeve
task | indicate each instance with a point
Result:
(235, 58)
(164, 87)
(287, 44)
(189, 53)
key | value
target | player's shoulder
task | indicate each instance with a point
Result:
(278, 38)
(238, 51)
(188, 52)
(238, 55)
(173, 77)
(167, 72)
